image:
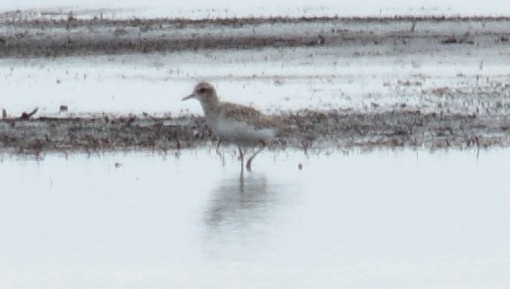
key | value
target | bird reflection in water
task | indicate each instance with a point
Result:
(240, 200)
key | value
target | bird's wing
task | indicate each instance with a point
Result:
(242, 112)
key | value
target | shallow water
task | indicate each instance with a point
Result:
(382, 219)
(319, 79)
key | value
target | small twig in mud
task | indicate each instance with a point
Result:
(449, 40)
(27, 116)
(414, 25)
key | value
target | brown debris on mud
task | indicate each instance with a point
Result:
(306, 130)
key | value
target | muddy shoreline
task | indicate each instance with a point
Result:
(306, 130)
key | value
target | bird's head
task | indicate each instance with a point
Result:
(205, 93)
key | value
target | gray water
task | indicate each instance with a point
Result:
(382, 219)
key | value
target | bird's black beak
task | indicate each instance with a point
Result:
(189, 97)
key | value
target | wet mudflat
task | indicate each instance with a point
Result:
(335, 82)
(137, 220)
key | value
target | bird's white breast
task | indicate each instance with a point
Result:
(241, 132)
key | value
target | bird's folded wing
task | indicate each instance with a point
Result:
(243, 113)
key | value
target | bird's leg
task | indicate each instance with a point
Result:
(248, 163)
(241, 157)
(218, 147)
(218, 152)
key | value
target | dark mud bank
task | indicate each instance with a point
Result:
(53, 38)
(306, 130)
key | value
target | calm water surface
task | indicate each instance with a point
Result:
(369, 220)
